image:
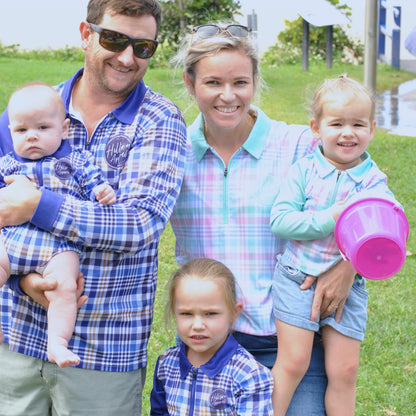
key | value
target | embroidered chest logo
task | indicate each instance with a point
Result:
(117, 151)
(63, 169)
(218, 399)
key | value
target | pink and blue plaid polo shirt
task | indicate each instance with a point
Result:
(224, 213)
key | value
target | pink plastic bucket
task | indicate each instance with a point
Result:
(372, 233)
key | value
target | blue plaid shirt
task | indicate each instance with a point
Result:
(66, 172)
(140, 148)
(231, 383)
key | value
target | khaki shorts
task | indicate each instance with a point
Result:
(33, 387)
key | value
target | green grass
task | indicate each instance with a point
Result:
(387, 374)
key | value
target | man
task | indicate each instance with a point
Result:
(138, 139)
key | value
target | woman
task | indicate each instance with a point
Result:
(236, 159)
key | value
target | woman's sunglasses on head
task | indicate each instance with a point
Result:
(116, 42)
(206, 31)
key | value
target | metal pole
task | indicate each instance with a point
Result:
(395, 37)
(370, 44)
(329, 46)
(305, 46)
(181, 15)
(382, 28)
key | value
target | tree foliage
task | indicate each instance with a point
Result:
(288, 49)
(180, 16)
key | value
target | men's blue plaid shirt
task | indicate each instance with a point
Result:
(140, 147)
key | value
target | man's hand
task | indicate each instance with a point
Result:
(35, 286)
(18, 200)
(332, 290)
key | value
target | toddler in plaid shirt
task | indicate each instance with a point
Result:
(208, 372)
(39, 127)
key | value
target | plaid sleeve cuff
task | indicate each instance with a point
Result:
(47, 210)
(14, 284)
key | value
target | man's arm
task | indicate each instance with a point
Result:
(147, 187)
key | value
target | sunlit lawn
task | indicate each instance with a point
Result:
(387, 375)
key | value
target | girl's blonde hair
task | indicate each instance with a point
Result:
(334, 87)
(204, 269)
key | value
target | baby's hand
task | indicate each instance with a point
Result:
(105, 194)
(337, 208)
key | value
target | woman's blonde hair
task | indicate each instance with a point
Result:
(194, 48)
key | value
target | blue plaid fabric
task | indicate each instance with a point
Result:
(140, 148)
(231, 383)
(67, 172)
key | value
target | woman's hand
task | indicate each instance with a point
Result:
(18, 200)
(332, 290)
(35, 286)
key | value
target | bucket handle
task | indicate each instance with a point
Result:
(343, 256)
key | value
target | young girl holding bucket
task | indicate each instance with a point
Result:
(208, 372)
(305, 211)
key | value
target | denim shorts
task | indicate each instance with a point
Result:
(293, 305)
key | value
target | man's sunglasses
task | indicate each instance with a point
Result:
(206, 31)
(117, 42)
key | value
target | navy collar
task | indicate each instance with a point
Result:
(125, 113)
(215, 364)
(63, 150)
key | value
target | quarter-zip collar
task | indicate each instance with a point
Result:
(325, 168)
(215, 364)
(254, 144)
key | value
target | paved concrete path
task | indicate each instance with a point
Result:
(396, 109)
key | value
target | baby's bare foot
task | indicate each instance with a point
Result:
(62, 356)
(1, 336)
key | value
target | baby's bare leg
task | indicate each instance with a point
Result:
(4, 273)
(62, 311)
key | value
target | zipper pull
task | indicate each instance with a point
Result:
(225, 172)
(339, 174)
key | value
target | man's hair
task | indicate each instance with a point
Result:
(97, 8)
